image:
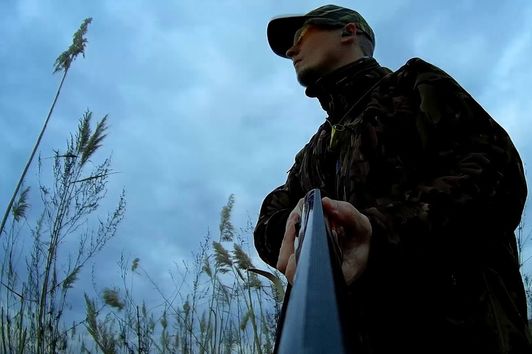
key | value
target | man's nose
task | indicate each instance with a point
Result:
(291, 51)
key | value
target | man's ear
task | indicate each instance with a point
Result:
(349, 31)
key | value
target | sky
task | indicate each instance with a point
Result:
(200, 108)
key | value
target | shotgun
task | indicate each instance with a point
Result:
(311, 319)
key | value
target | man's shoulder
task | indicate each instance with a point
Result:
(417, 71)
(415, 77)
(419, 64)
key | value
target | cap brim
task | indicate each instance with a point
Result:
(281, 33)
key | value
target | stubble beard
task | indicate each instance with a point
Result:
(308, 76)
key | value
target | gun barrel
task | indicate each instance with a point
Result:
(312, 319)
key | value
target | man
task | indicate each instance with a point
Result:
(423, 190)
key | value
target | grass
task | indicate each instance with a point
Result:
(220, 304)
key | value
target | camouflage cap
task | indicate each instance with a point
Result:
(281, 29)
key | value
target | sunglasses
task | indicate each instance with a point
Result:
(300, 33)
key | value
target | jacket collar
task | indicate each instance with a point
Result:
(340, 89)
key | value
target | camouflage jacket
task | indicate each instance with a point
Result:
(444, 189)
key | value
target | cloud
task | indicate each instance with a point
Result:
(200, 108)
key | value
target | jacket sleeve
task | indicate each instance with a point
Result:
(274, 212)
(471, 188)
(448, 235)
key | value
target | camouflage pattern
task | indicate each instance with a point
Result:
(281, 30)
(444, 189)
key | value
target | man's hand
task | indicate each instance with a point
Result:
(353, 232)
(351, 228)
(286, 263)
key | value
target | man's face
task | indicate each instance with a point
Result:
(316, 51)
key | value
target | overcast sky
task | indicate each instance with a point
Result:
(200, 108)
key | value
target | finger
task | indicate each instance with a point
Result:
(340, 212)
(336, 239)
(291, 269)
(344, 214)
(287, 245)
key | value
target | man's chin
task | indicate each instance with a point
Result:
(307, 77)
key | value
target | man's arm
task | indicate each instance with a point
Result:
(471, 184)
(450, 234)
(274, 213)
